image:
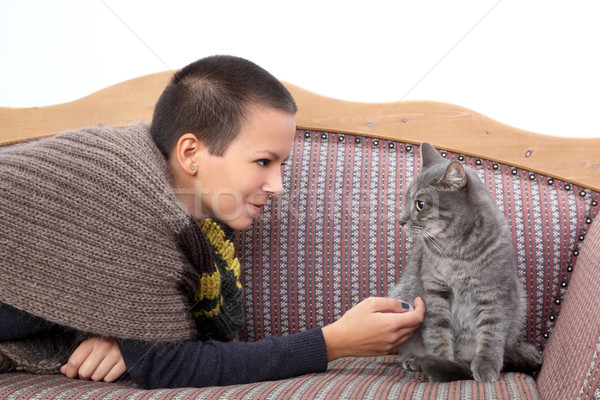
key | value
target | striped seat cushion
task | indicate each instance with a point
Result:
(347, 378)
(332, 238)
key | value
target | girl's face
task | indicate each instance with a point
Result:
(234, 187)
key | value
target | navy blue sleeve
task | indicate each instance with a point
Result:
(213, 363)
(16, 324)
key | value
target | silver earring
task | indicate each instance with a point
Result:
(192, 168)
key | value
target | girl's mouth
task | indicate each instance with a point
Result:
(256, 209)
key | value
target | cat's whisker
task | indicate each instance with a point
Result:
(443, 250)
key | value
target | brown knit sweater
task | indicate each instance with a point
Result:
(95, 239)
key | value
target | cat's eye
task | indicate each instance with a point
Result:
(419, 205)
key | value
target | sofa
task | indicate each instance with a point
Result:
(332, 239)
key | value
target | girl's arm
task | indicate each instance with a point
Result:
(373, 327)
(213, 363)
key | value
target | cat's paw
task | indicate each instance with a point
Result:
(411, 364)
(526, 358)
(485, 369)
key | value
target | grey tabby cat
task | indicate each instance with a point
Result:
(462, 265)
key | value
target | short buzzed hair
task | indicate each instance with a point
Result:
(210, 98)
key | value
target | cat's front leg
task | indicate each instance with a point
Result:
(437, 330)
(489, 357)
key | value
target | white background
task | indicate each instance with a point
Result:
(532, 64)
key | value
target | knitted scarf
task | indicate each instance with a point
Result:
(95, 240)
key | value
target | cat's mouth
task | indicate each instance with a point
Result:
(412, 228)
(418, 230)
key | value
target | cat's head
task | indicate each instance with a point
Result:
(437, 195)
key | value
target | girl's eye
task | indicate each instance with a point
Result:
(419, 205)
(263, 163)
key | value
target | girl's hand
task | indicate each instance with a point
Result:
(375, 326)
(96, 358)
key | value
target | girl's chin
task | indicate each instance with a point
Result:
(240, 223)
(242, 218)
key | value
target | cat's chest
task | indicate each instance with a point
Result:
(454, 272)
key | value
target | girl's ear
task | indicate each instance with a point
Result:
(186, 152)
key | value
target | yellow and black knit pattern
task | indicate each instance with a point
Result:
(218, 298)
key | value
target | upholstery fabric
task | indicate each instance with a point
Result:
(347, 378)
(575, 343)
(332, 238)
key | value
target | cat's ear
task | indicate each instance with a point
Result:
(454, 177)
(429, 156)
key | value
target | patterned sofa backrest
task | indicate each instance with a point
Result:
(332, 238)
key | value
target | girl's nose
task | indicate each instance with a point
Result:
(274, 182)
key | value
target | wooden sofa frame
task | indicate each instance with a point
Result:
(446, 126)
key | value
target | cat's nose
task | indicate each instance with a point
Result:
(401, 222)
